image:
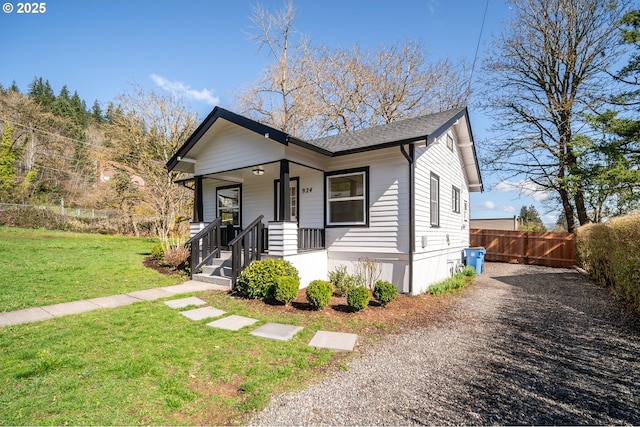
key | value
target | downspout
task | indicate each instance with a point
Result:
(410, 156)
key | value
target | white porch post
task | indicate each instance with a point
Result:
(196, 227)
(283, 238)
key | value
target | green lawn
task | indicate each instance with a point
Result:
(42, 267)
(145, 364)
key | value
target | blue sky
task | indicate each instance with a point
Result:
(202, 49)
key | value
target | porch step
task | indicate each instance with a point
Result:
(214, 279)
(218, 267)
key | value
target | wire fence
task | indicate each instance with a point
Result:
(66, 211)
(104, 221)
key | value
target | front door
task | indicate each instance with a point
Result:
(228, 204)
(294, 199)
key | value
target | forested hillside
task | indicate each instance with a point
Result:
(56, 151)
(52, 148)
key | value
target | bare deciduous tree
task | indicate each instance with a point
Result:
(353, 89)
(278, 98)
(547, 68)
(315, 91)
(146, 130)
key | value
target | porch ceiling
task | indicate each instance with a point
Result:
(271, 172)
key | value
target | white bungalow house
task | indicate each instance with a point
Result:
(397, 194)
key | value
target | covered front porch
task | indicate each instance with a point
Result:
(266, 210)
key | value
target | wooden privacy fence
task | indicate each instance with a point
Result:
(526, 247)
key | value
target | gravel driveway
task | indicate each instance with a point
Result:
(525, 345)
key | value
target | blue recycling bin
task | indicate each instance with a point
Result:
(475, 258)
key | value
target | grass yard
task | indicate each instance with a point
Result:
(42, 267)
(145, 363)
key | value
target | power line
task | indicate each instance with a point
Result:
(475, 57)
(86, 143)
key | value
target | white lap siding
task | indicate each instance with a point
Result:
(438, 248)
(233, 147)
(386, 239)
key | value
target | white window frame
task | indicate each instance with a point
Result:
(363, 198)
(455, 199)
(434, 202)
(449, 139)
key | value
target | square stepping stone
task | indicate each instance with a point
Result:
(184, 302)
(277, 331)
(202, 313)
(232, 323)
(337, 341)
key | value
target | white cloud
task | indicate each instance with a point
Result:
(524, 188)
(489, 205)
(179, 88)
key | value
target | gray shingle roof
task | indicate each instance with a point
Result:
(389, 134)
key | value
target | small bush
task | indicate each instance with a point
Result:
(384, 292)
(358, 298)
(319, 294)
(343, 282)
(157, 252)
(177, 256)
(286, 289)
(336, 277)
(469, 271)
(258, 280)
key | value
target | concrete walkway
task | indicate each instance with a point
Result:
(47, 312)
(330, 340)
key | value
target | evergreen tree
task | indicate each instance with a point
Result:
(613, 167)
(62, 104)
(14, 87)
(79, 110)
(530, 219)
(96, 112)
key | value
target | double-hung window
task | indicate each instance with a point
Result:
(455, 199)
(434, 195)
(347, 195)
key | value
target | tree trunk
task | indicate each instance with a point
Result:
(568, 210)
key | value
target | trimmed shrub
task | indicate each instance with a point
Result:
(358, 298)
(609, 252)
(258, 279)
(384, 292)
(286, 289)
(319, 294)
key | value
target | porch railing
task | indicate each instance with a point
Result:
(310, 238)
(205, 245)
(246, 247)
